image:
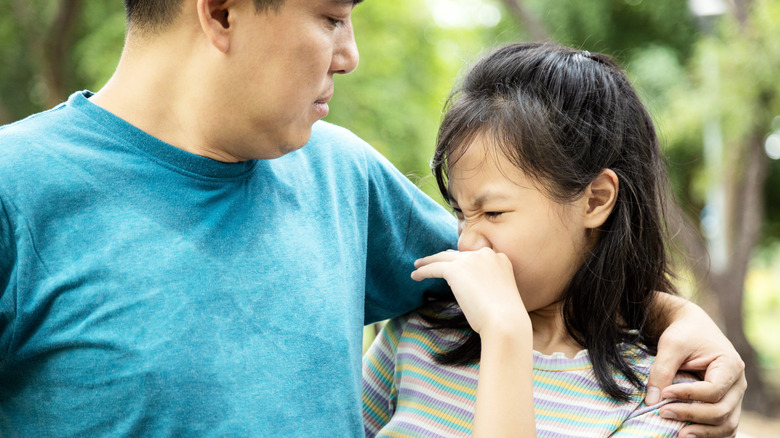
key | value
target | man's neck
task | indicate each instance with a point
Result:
(155, 90)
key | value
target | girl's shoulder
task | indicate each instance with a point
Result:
(422, 332)
(434, 319)
(642, 359)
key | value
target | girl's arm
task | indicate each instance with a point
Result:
(505, 402)
(691, 341)
(484, 285)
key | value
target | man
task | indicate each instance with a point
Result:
(174, 263)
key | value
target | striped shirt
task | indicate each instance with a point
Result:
(406, 393)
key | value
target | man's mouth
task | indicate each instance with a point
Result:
(324, 99)
(321, 104)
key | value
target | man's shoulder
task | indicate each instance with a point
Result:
(323, 131)
(22, 140)
(36, 130)
(31, 124)
(327, 138)
(38, 147)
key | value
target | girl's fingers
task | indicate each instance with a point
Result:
(444, 256)
(482, 282)
(429, 270)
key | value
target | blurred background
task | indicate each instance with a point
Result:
(707, 69)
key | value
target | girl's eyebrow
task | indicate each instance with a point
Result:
(482, 198)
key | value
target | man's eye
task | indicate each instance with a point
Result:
(493, 214)
(335, 22)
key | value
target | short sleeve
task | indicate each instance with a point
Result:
(7, 263)
(379, 362)
(647, 421)
(404, 224)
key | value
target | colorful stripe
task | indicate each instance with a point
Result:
(407, 394)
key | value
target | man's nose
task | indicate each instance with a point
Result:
(345, 56)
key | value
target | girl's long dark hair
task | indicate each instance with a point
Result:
(562, 116)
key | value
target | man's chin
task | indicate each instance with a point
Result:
(296, 143)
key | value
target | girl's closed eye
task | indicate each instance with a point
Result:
(489, 214)
(458, 212)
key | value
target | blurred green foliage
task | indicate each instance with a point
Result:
(408, 65)
(621, 28)
(28, 30)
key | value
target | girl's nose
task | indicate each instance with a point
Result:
(471, 239)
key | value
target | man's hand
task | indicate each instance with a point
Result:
(692, 342)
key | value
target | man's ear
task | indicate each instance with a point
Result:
(216, 21)
(600, 198)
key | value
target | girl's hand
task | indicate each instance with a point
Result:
(484, 285)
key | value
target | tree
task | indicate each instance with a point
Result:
(408, 65)
(744, 100)
(47, 49)
(663, 49)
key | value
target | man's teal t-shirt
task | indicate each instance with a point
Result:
(147, 291)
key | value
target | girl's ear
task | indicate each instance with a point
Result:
(600, 197)
(216, 21)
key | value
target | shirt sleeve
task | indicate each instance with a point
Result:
(7, 295)
(379, 362)
(404, 224)
(646, 420)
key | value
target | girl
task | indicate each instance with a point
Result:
(552, 166)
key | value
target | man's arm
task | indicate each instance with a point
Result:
(691, 341)
(7, 299)
(404, 224)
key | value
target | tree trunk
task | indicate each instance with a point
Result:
(528, 20)
(741, 11)
(5, 116)
(56, 49)
(49, 43)
(744, 216)
(744, 184)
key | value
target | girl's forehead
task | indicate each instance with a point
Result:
(480, 162)
(489, 179)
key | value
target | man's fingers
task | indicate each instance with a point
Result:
(701, 431)
(699, 391)
(704, 414)
(667, 362)
(710, 420)
(721, 422)
(723, 375)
